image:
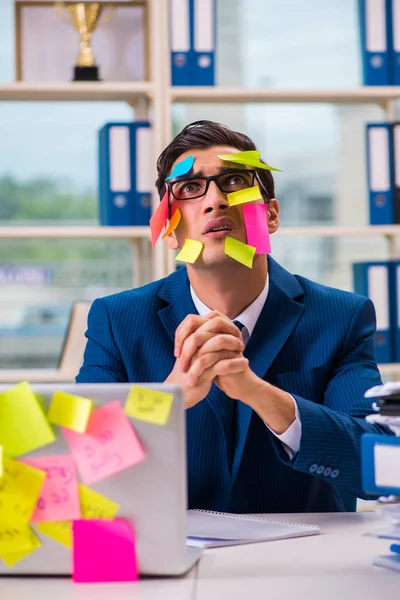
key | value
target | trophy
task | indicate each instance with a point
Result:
(86, 17)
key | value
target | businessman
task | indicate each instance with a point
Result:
(273, 366)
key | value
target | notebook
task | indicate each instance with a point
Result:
(209, 529)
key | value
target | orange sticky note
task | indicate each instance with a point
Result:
(243, 253)
(159, 218)
(109, 445)
(243, 196)
(190, 251)
(174, 222)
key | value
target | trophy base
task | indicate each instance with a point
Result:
(86, 73)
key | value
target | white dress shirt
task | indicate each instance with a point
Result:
(249, 317)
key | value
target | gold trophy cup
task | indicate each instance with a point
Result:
(86, 17)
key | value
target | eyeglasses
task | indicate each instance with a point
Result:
(196, 187)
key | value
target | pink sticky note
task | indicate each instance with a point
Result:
(103, 550)
(59, 497)
(108, 446)
(159, 218)
(255, 220)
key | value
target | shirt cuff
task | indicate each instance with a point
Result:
(292, 436)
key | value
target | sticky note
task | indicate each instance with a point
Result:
(14, 557)
(174, 222)
(182, 167)
(108, 446)
(190, 251)
(59, 497)
(239, 251)
(20, 488)
(1, 461)
(242, 196)
(148, 405)
(15, 538)
(159, 218)
(256, 224)
(70, 411)
(93, 506)
(250, 158)
(104, 551)
(23, 425)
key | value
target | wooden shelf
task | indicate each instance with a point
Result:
(390, 368)
(338, 231)
(77, 91)
(360, 95)
(95, 231)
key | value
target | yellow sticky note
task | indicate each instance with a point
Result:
(23, 425)
(14, 538)
(243, 196)
(148, 405)
(174, 222)
(1, 461)
(70, 411)
(190, 251)
(13, 558)
(241, 252)
(250, 158)
(93, 506)
(20, 488)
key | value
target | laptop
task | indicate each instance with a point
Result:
(152, 494)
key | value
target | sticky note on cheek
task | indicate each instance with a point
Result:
(174, 222)
(243, 196)
(240, 252)
(109, 445)
(159, 218)
(148, 405)
(256, 224)
(70, 411)
(190, 251)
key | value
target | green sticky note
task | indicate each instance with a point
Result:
(250, 158)
(70, 411)
(239, 251)
(190, 251)
(23, 425)
(244, 196)
(148, 405)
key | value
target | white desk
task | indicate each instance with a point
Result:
(334, 565)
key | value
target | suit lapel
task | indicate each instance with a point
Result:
(176, 291)
(276, 322)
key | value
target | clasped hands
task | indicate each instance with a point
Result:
(209, 349)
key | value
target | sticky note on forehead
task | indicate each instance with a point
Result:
(182, 167)
(251, 158)
(243, 196)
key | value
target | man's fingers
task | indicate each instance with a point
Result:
(191, 345)
(190, 324)
(227, 366)
(204, 362)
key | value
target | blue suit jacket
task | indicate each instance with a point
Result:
(312, 341)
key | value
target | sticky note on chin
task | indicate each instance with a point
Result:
(70, 411)
(148, 405)
(190, 251)
(23, 425)
(239, 251)
(243, 196)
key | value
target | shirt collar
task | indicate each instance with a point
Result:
(248, 317)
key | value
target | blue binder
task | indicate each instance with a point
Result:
(375, 34)
(380, 459)
(124, 164)
(373, 279)
(180, 36)
(379, 146)
(395, 307)
(394, 39)
(203, 25)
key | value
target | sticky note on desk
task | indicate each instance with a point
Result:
(29, 542)
(20, 488)
(243, 253)
(104, 551)
(109, 445)
(148, 405)
(243, 196)
(23, 424)
(70, 411)
(93, 506)
(59, 497)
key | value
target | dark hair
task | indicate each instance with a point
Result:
(205, 134)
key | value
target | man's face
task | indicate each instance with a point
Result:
(213, 209)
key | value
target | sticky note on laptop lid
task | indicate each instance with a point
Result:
(67, 410)
(149, 405)
(20, 488)
(29, 542)
(23, 424)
